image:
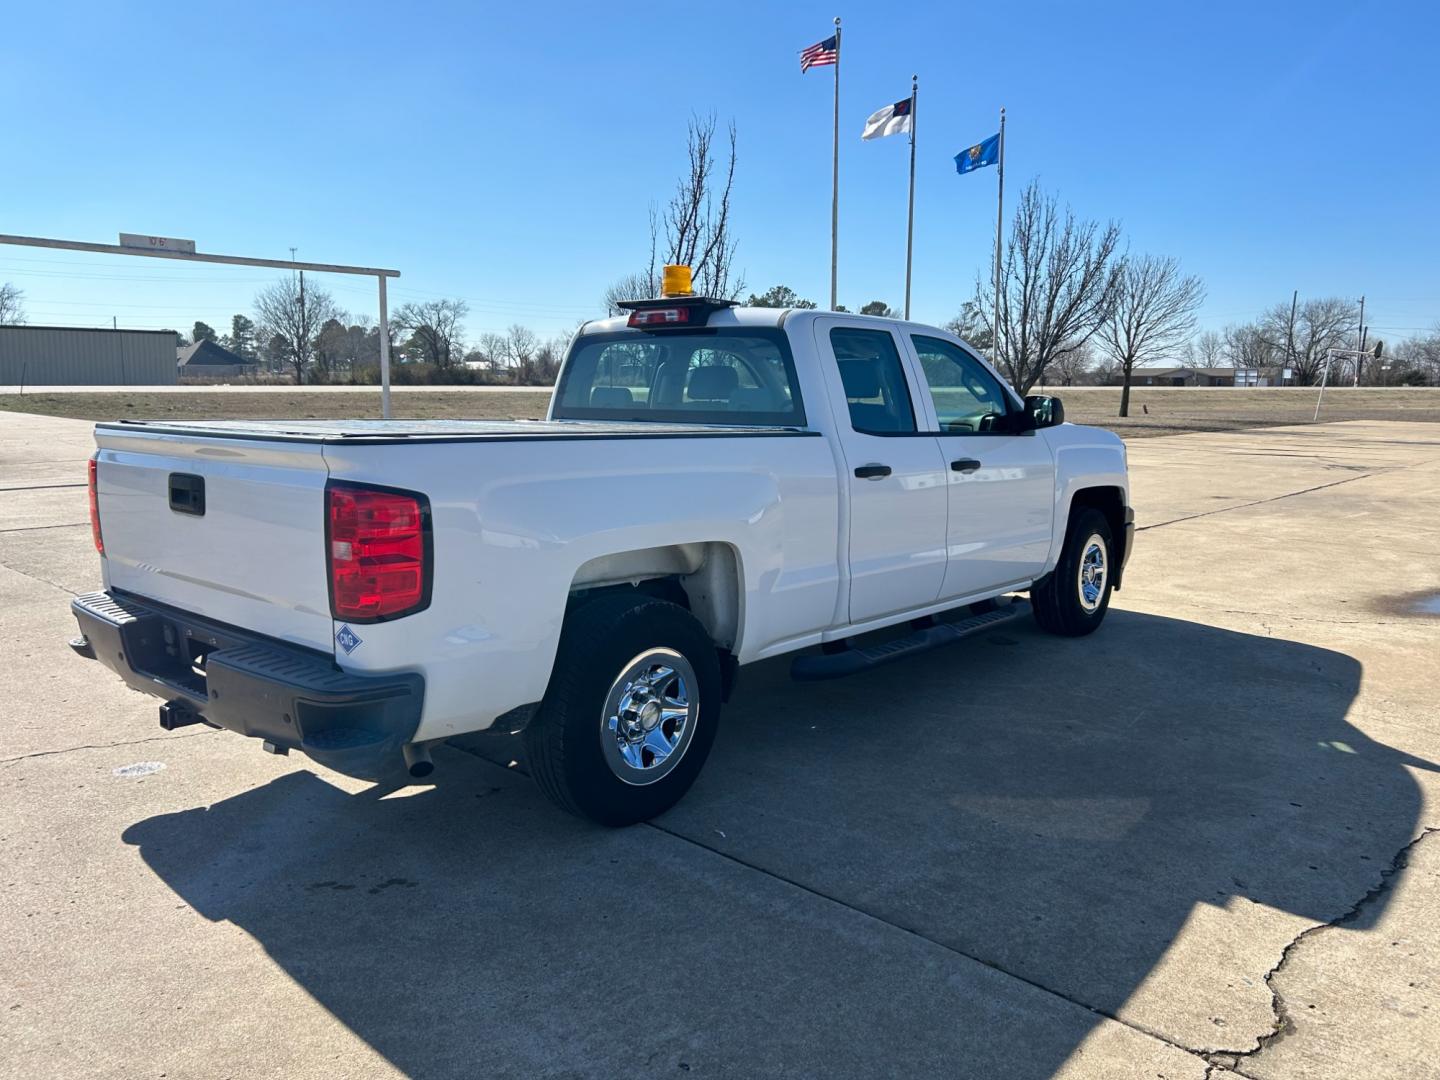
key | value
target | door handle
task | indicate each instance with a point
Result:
(964, 464)
(872, 471)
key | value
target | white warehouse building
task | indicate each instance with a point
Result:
(80, 356)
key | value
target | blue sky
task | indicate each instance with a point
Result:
(508, 154)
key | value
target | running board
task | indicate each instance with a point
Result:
(814, 666)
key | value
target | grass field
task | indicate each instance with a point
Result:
(1154, 410)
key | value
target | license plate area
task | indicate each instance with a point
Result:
(174, 651)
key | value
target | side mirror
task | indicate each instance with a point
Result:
(1044, 411)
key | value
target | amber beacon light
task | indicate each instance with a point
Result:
(675, 281)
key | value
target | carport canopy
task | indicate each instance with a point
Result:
(159, 249)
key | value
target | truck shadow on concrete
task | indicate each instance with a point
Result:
(1055, 810)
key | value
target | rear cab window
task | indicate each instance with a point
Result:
(874, 378)
(722, 375)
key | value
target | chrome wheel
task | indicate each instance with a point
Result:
(1094, 569)
(649, 716)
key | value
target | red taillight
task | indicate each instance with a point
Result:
(662, 316)
(379, 552)
(95, 508)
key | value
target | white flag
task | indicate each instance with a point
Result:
(891, 120)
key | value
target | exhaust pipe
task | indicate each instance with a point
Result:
(418, 762)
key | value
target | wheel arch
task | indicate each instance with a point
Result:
(1109, 499)
(704, 577)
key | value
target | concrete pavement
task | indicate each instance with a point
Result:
(1194, 842)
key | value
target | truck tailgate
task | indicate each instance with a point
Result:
(231, 529)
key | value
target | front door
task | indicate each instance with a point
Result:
(1001, 483)
(894, 472)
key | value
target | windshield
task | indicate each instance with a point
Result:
(716, 376)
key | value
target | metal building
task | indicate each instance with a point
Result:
(76, 356)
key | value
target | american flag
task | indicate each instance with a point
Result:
(820, 54)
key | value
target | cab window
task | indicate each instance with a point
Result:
(874, 379)
(968, 399)
(706, 376)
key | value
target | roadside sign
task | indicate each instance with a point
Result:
(157, 243)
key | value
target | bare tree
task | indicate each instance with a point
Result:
(1057, 285)
(631, 287)
(1416, 361)
(697, 221)
(694, 228)
(434, 328)
(12, 311)
(493, 350)
(1319, 325)
(547, 360)
(973, 325)
(520, 347)
(1103, 371)
(1152, 316)
(1246, 347)
(1071, 366)
(294, 311)
(1207, 349)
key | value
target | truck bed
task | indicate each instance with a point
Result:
(372, 431)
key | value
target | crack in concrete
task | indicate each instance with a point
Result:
(7, 762)
(1305, 618)
(37, 528)
(1284, 1024)
(42, 487)
(37, 577)
(1380, 470)
(1261, 502)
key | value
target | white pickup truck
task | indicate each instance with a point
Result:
(713, 485)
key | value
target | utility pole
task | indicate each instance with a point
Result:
(1360, 342)
(304, 326)
(1290, 332)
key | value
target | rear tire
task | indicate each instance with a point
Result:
(631, 711)
(1073, 600)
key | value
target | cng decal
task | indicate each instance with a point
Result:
(347, 639)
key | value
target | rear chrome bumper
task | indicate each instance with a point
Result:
(291, 697)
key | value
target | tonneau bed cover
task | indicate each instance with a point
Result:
(431, 430)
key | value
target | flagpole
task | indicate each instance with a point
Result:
(835, 184)
(910, 224)
(999, 226)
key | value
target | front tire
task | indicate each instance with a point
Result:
(1073, 600)
(631, 711)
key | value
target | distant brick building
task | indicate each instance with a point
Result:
(205, 359)
(1179, 376)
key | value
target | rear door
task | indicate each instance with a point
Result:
(1001, 480)
(894, 471)
(231, 529)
